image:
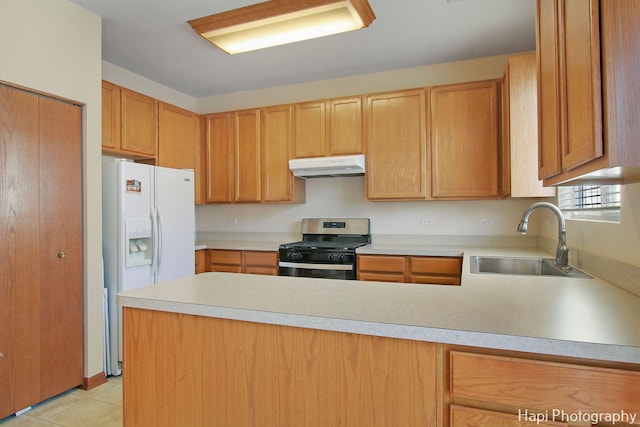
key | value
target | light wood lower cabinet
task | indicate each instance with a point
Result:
(236, 261)
(410, 269)
(201, 261)
(516, 388)
(201, 371)
(461, 416)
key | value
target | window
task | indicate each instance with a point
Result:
(590, 202)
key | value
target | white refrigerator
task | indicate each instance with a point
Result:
(148, 233)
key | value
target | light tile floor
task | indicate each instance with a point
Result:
(99, 407)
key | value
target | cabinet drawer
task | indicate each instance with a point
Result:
(427, 279)
(436, 265)
(381, 277)
(265, 271)
(260, 258)
(217, 256)
(471, 417)
(393, 264)
(543, 385)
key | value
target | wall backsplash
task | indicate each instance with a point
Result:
(344, 197)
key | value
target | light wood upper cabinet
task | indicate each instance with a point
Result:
(396, 145)
(247, 157)
(569, 61)
(246, 143)
(464, 141)
(588, 65)
(345, 126)
(328, 128)
(520, 129)
(178, 134)
(139, 123)
(219, 152)
(111, 116)
(310, 129)
(278, 183)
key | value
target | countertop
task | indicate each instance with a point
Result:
(587, 318)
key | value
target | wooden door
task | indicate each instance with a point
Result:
(111, 120)
(246, 141)
(580, 70)
(464, 141)
(345, 126)
(19, 232)
(177, 137)
(396, 145)
(60, 248)
(41, 259)
(277, 180)
(309, 134)
(139, 123)
(219, 154)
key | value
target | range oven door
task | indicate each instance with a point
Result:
(324, 271)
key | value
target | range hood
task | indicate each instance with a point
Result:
(319, 167)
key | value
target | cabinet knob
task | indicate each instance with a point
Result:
(62, 254)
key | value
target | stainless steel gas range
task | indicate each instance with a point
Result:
(327, 249)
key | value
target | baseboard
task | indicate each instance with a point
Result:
(94, 381)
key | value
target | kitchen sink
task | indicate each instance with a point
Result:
(523, 266)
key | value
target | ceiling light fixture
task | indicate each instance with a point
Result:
(278, 22)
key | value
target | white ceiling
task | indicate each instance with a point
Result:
(152, 38)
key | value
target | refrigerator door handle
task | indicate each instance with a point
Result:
(154, 241)
(159, 245)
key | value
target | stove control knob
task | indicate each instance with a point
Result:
(294, 256)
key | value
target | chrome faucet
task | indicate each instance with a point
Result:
(562, 253)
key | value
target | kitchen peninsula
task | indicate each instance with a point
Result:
(236, 349)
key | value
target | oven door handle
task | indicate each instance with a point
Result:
(343, 267)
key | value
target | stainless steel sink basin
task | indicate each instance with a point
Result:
(523, 266)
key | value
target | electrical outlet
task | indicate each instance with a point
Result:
(426, 221)
(232, 221)
(486, 221)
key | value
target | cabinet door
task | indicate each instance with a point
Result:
(228, 261)
(396, 145)
(139, 123)
(345, 126)
(381, 268)
(520, 103)
(260, 262)
(464, 141)
(548, 89)
(580, 68)
(177, 137)
(309, 124)
(200, 171)
(246, 141)
(111, 120)
(277, 179)
(219, 154)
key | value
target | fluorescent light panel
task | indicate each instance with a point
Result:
(318, 18)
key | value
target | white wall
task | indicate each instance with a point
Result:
(55, 47)
(431, 75)
(344, 197)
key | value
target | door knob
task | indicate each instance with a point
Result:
(62, 254)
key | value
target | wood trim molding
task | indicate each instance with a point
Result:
(94, 381)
